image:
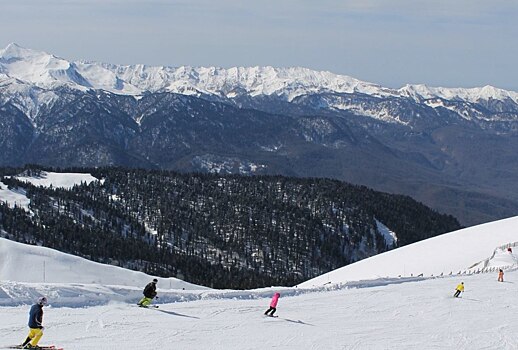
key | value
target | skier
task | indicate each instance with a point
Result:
(500, 275)
(149, 294)
(35, 324)
(273, 304)
(459, 289)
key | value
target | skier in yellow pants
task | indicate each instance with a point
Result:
(149, 294)
(35, 324)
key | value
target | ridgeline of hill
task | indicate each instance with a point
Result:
(222, 231)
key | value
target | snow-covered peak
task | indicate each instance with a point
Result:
(39, 68)
(474, 95)
(48, 71)
(254, 81)
(44, 70)
(14, 50)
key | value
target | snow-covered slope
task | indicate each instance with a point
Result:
(22, 66)
(13, 197)
(25, 263)
(454, 252)
(46, 179)
(399, 313)
(420, 315)
(62, 180)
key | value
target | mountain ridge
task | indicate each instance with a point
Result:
(452, 149)
(47, 70)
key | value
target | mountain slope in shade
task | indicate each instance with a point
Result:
(456, 251)
(452, 149)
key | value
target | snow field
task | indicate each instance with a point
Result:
(46, 179)
(63, 180)
(13, 197)
(413, 315)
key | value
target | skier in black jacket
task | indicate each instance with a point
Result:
(35, 324)
(149, 294)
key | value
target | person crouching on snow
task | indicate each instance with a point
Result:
(459, 289)
(149, 294)
(273, 304)
(35, 324)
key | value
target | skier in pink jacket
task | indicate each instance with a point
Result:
(273, 304)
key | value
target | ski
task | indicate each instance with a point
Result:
(149, 306)
(44, 347)
(271, 316)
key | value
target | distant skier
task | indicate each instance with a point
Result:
(35, 324)
(459, 289)
(273, 304)
(500, 275)
(149, 294)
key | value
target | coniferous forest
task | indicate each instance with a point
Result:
(221, 231)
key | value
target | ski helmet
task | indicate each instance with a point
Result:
(155, 280)
(42, 301)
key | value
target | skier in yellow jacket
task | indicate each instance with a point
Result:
(459, 289)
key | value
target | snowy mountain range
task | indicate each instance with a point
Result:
(20, 66)
(453, 149)
(347, 308)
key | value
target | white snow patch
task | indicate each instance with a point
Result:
(389, 235)
(14, 197)
(61, 180)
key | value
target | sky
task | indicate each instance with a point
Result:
(461, 43)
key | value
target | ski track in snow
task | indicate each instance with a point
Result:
(414, 315)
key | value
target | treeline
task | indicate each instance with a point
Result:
(219, 231)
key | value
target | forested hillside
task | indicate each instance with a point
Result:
(221, 231)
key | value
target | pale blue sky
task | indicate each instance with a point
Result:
(441, 42)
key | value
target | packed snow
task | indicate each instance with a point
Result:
(92, 306)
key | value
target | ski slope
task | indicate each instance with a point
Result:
(361, 313)
(39, 265)
(418, 315)
(454, 252)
